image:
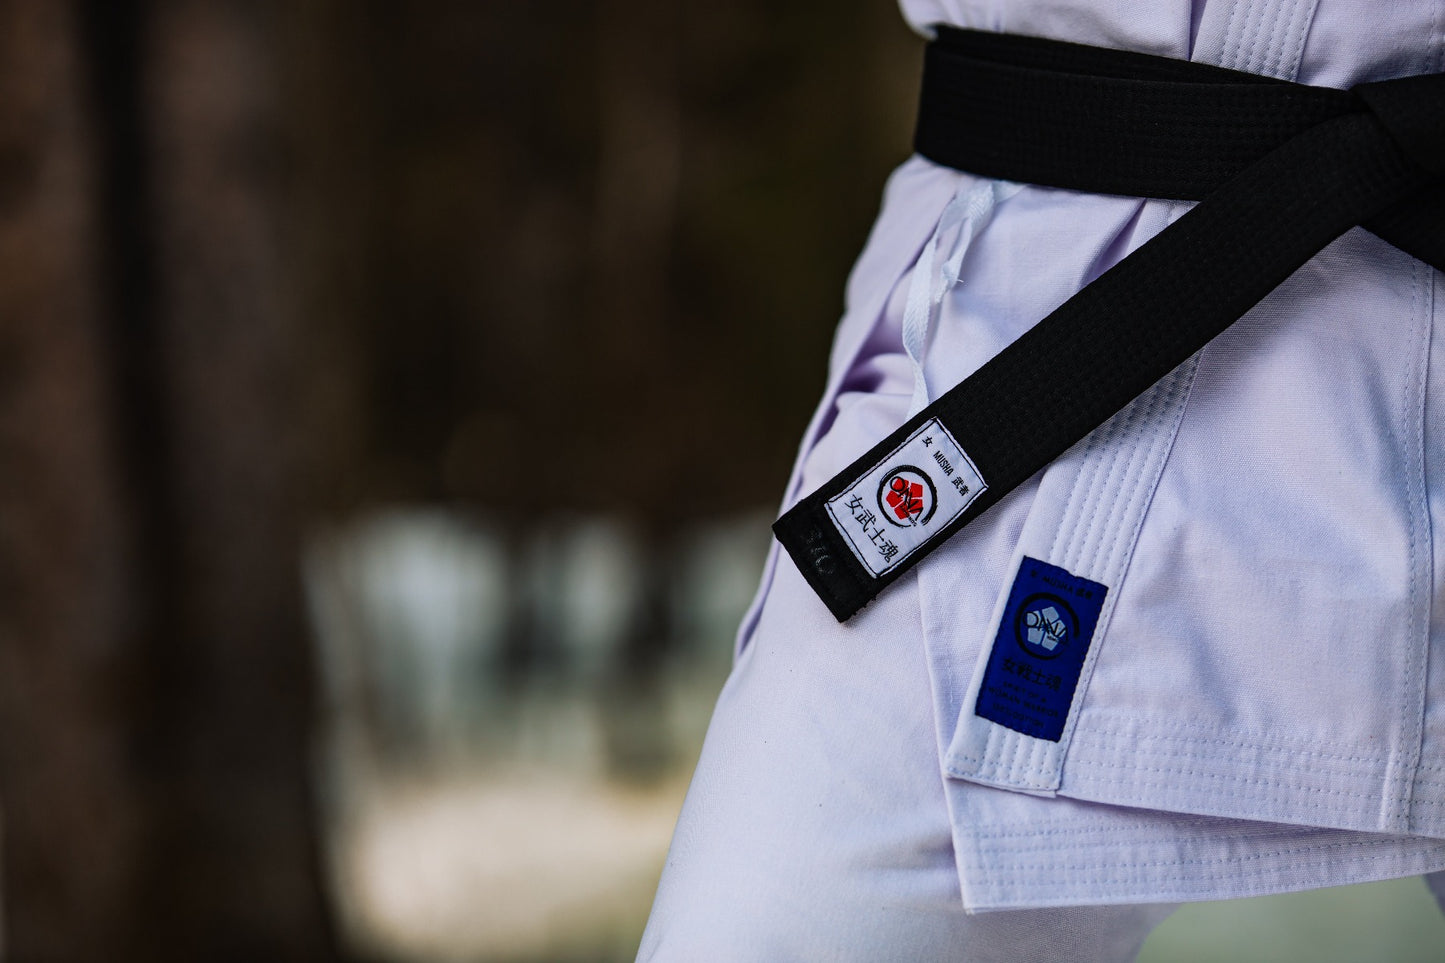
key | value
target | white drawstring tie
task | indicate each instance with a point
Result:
(966, 215)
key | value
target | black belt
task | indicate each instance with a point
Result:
(1279, 170)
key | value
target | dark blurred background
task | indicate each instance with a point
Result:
(393, 399)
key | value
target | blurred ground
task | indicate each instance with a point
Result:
(524, 865)
(1395, 921)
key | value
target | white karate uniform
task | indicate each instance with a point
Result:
(1263, 704)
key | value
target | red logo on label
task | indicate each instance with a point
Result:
(907, 496)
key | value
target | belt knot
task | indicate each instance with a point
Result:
(1412, 111)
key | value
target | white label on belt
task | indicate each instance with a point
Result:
(924, 484)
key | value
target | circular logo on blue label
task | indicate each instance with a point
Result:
(1045, 625)
(907, 497)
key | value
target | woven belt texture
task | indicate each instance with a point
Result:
(1279, 169)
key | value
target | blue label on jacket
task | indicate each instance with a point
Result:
(1039, 651)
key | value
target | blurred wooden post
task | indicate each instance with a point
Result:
(230, 722)
(70, 802)
(155, 677)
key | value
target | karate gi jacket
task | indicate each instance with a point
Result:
(1264, 695)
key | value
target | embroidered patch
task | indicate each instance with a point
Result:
(1039, 651)
(921, 486)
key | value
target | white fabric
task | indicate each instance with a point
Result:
(1270, 519)
(1263, 708)
(816, 826)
